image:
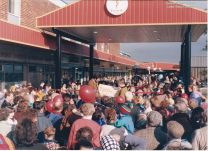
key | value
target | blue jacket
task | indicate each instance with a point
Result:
(127, 122)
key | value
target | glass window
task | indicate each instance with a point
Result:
(18, 68)
(8, 68)
(11, 6)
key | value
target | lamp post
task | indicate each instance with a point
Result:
(148, 68)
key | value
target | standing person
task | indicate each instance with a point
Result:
(175, 132)
(87, 109)
(26, 136)
(7, 121)
(199, 136)
(123, 88)
(196, 95)
(125, 119)
(153, 133)
(42, 122)
(8, 102)
(93, 83)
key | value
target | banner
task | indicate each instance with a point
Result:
(106, 90)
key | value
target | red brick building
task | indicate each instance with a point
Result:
(32, 59)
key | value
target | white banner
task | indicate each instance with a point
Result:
(106, 90)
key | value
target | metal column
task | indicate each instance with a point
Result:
(91, 61)
(58, 61)
(182, 60)
(187, 59)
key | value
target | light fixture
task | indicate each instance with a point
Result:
(95, 32)
(155, 31)
(158, 39)
(109, 39)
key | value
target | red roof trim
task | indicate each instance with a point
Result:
(140, 12)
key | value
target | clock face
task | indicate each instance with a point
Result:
(117, 7)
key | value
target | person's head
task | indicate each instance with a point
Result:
(49, 133)
(39, 106)
(110, 115)
(23, 106)
(83, 145)
(175, 130)
(30, 114)
(6, 114)
(129, 96)
(181, 107)
(198, 118)
(17, 99)
(87, 109)
(154, 119)
(84, 133)
(9, 96)
(26, 132)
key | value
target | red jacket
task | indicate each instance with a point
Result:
(80, 123)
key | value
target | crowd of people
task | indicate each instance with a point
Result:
(155, 114)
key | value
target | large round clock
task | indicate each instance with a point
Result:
(117, 7)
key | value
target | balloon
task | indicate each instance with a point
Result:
(58, 100)
(87, 94)
(184, 95)
(119, 99)
(50, 106)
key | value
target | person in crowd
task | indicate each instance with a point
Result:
(125, 119)
(196, 95)
(42, 122)
(63, 126)
(26, 136)
(87, 110)
(129, 98)
(109, 143)
(181, 116)
(123, 88)
(153, 133)
(111, 117)
(83, 145)
(9, 100)
(22, 108)
(197, 118)
(98, 117)
(50, 142)
(199, 137)
(7, 121)
(175, 132)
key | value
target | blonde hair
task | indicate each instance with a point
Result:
(87, 109)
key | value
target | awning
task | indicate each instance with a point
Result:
(144, 21)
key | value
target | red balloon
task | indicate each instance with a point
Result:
(58, 99)
(87, 94)
(50, 106)
(119, 99)
(184, 95)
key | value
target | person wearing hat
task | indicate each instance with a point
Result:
(125, 119)
(87, 109)
(153, 133)
(175, 132)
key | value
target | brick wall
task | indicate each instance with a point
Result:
(112, 48)
(30, 9)
(3, 9)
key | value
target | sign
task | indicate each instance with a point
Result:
(106, 90)
(117, 7)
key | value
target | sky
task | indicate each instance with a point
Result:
(164, 52)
